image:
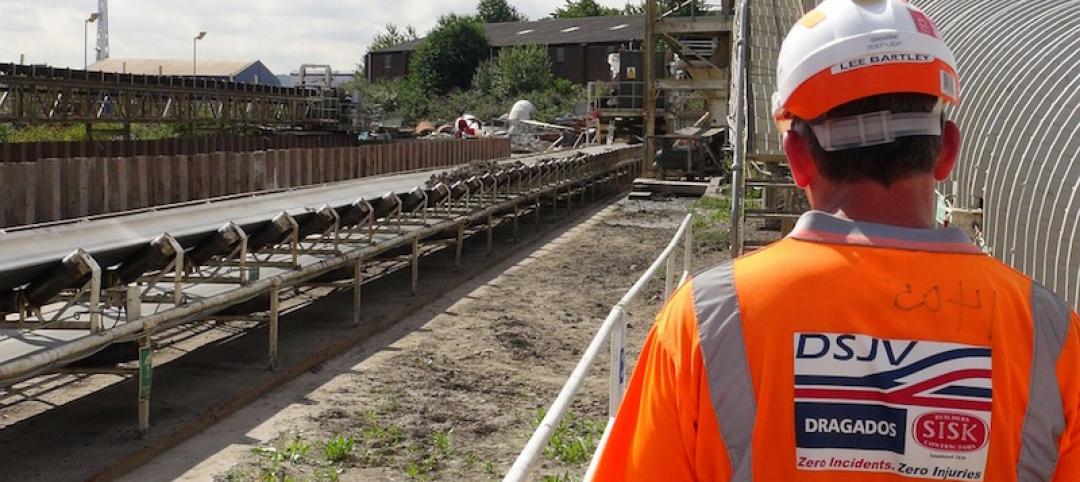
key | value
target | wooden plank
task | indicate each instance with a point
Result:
(320, 171)
(27, 204)
(683, 188)
(296, 159)
(272, 167)
(238, 171)
(49, 190)
(181, 164)
(118, 172)
(285, 167)
(139, 195)
(219, 169)
(246, 167)
(357, 162)
(362, 154)
(201, 184)
(161, 173)
(8, 177)
(76, 174)
(308, 166)
(258, 159)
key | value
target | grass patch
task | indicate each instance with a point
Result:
(338, 448)
(379, 439)
(425, 460)
(574, 439)
(712, 222)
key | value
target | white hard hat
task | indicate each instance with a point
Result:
(845, 50)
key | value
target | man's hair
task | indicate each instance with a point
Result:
(883, 163)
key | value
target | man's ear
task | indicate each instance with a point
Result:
(799, 158)
(950, 150)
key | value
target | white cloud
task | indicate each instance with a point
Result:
(281, 33)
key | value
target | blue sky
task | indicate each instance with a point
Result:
(281, 33)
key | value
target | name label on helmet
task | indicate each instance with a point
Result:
(881, 59)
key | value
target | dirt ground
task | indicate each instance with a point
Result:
(454, 391)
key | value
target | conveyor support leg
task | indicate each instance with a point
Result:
(415, 264)
(358, 282)
(272, 359)
(458, 246)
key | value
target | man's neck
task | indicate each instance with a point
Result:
(908, 203)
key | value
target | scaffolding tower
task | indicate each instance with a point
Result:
(693, 40)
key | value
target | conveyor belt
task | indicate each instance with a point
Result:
(27, 256)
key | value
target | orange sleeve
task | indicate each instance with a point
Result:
(665, 428)
(1068, 468)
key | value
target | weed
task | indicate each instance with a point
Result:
(563, 477)
(237, 474)
(442, 442)
(470, 460)
(712, 219)
(574, 439)
(296, 449)
(489, 468)
(327, 474)
(292, 452)
(338, 448)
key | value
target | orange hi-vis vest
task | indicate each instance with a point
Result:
(854, 351)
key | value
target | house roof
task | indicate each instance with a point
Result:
(205, 68)
(555, 31)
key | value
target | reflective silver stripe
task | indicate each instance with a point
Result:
(823, 227)
(1045, 418)
(730, 388)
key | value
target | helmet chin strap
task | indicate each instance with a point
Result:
(876, 128)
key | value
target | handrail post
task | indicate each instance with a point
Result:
(669, 278)
(688, 248)
(617, 369)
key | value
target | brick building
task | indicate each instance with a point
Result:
(578, 47)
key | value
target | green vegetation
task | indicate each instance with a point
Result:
(574, 440)
(448, 55)
(451, 73)
(518, 73)
(712, 221)
(338, 448)
(498, 11)
(77, 132)
(584, 8)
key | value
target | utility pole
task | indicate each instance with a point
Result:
(195, 53)
(86, 38)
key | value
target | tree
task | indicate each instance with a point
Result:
(498, 11)
(518, 70)
(449, 55)
(391, 36)
(634, 8)
(583, 8)
(524, 72)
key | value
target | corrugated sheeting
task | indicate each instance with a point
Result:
(1019, 64)
(770, 21)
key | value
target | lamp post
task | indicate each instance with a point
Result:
(86, 36)
(195, 53)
